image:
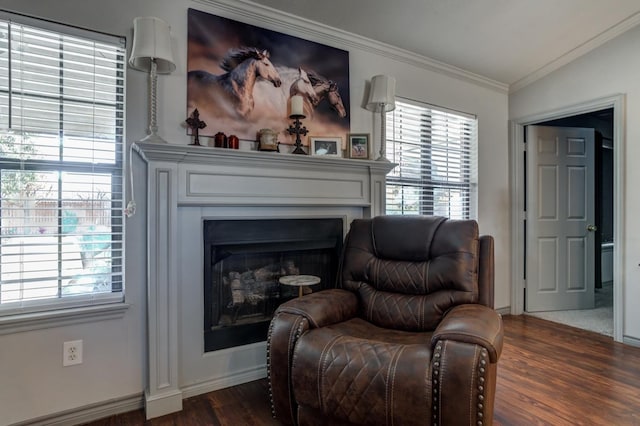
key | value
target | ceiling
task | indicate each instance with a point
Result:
(509, 41)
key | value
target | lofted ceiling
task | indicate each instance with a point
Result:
(510, 41)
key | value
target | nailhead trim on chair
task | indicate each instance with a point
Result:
(301, 327)
(482, 364)
(273, 408)
(435, 380)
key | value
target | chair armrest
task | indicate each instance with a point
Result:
(324, 307)
(290, 321)
(476, 324)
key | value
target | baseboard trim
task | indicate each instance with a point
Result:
(504, 311)
(237, 378)
(100, 410)
(631, 341)
(89, 412)
(163, 403)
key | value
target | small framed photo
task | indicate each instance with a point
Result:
(323, 145)
(358, 145)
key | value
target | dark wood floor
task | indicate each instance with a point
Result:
(548, 374)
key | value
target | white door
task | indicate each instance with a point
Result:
(560, 249)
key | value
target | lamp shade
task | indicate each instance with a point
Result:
(151, 40)
(382, 94)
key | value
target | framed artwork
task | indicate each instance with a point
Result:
(241, 77)
(358, 146)
(328, 146)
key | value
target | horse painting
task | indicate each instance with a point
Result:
(241, 78)
(233, 90)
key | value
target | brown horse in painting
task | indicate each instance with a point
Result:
(233, 90)
(329, 89)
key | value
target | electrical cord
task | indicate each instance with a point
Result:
(131, 205)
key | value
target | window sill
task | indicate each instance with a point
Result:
(60, 318)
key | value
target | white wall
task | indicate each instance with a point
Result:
(34, 383)
(611, 69)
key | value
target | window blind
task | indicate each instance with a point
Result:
(61, 156)
(435, 150)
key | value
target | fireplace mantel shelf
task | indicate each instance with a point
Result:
(221, 177)
(198, 154)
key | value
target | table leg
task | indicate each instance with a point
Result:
(300, 291)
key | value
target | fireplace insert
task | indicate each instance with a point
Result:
(243, 262)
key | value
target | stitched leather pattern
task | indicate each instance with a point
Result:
(355, 374)
(341, 372)
(456, 271)
(400, 277)
(405, 312)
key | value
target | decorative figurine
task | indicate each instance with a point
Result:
(195, 124)
(220, 140)
(268, 140)
(233, 142)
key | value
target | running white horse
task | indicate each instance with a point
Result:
(232, 91)
(303, 87)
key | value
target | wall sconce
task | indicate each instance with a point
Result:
(151, 52)
(382, 98)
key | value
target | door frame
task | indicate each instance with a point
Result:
(517, 192)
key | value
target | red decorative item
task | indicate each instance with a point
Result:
(233, 142)
(220, 140)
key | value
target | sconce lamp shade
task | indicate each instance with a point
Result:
(151, 40)
(382, 95)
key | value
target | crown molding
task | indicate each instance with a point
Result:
(256, 14)
(574, 54)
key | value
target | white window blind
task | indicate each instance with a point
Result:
(61, 135)
(435, 150)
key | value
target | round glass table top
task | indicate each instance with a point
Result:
(299, 280)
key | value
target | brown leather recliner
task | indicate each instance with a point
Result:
(409, 338)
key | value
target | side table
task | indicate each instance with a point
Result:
(300, 281)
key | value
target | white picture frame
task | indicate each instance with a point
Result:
(327, 146)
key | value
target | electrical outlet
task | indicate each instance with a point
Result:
(72, 353)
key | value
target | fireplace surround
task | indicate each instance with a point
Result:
(188, 185)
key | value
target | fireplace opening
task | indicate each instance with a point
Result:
(244, 260)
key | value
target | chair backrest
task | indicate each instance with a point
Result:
(409, 270)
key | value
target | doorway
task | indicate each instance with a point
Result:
(587, 300)
(608, 113)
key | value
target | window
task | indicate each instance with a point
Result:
(435, 152)
(61, 156)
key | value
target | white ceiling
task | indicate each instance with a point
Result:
(509, 41)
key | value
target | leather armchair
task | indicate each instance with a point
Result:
(409, 337)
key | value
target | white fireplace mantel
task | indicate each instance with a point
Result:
(184, 181)
(218, 176)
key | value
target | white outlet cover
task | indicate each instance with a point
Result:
(72, 353)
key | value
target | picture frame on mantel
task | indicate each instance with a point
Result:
(221, 53)
(325, 146)
(358, 145)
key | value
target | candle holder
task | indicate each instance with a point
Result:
(297, 129)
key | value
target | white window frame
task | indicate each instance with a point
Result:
(61, 311)
(416, 171)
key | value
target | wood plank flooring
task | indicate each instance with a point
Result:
(548, 374)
